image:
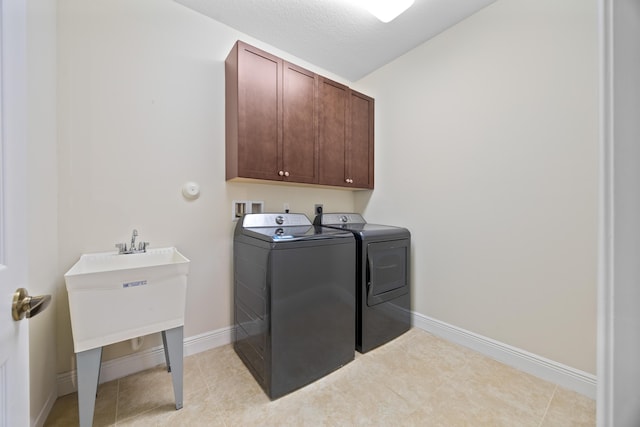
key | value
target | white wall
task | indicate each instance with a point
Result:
(42, 194)
(141, 111)
(619, 367)
(487, 150)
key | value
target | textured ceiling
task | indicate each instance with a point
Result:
(337, 35)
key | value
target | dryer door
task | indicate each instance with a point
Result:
(387, 270)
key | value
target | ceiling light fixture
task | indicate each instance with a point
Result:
(387, 10)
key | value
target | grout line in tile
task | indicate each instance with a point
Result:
(117, 400)
(137, 414)
(546, 410)
(202, 375)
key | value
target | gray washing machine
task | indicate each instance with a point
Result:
(383, 296)
(294, 300)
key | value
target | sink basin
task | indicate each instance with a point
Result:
(115, 297)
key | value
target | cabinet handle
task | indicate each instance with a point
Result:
(349, 181)
(286, 174)
(281, 173)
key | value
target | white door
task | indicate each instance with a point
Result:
(14, 335)
(619, 293)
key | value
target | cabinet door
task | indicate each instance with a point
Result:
(299, 125)
(360, 147)
(259, 113)
(333, 106)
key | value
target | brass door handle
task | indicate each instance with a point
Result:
(23, 304)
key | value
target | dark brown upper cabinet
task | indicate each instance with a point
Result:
(346, 136)
(299, 125)
(282, 124)
(360, 147)
(253, 111)
(333, 100)
(271, 123)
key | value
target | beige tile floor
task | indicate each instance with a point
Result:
(415, 380)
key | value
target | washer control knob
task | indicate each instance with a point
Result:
(279, 220)
(344, 218)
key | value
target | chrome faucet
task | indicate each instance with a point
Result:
(133, 239)
(142, 246)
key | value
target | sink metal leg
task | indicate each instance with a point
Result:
(88, 374)
(173, 347)
(166, 350)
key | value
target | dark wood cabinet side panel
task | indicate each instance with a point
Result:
(299, 139)
(231, 113)
(332, 131)
(259, 80)
(361, 140)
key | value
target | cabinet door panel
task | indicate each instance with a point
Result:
(299, 146)
(361, 140)
(259, 109)
(333, 108)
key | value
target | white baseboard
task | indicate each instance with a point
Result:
(565, 376)
(146, 359)
(44, 412)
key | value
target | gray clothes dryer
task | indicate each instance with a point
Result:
(294, 301)
(383, 296)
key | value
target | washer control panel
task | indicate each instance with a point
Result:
(275, 219)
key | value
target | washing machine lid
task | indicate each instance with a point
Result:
(285, 227)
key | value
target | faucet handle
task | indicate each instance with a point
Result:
(142, 246)
(122, 247)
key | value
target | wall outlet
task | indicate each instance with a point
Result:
(239, 208)
(257, 207)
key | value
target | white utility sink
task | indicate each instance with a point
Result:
(114, 297)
